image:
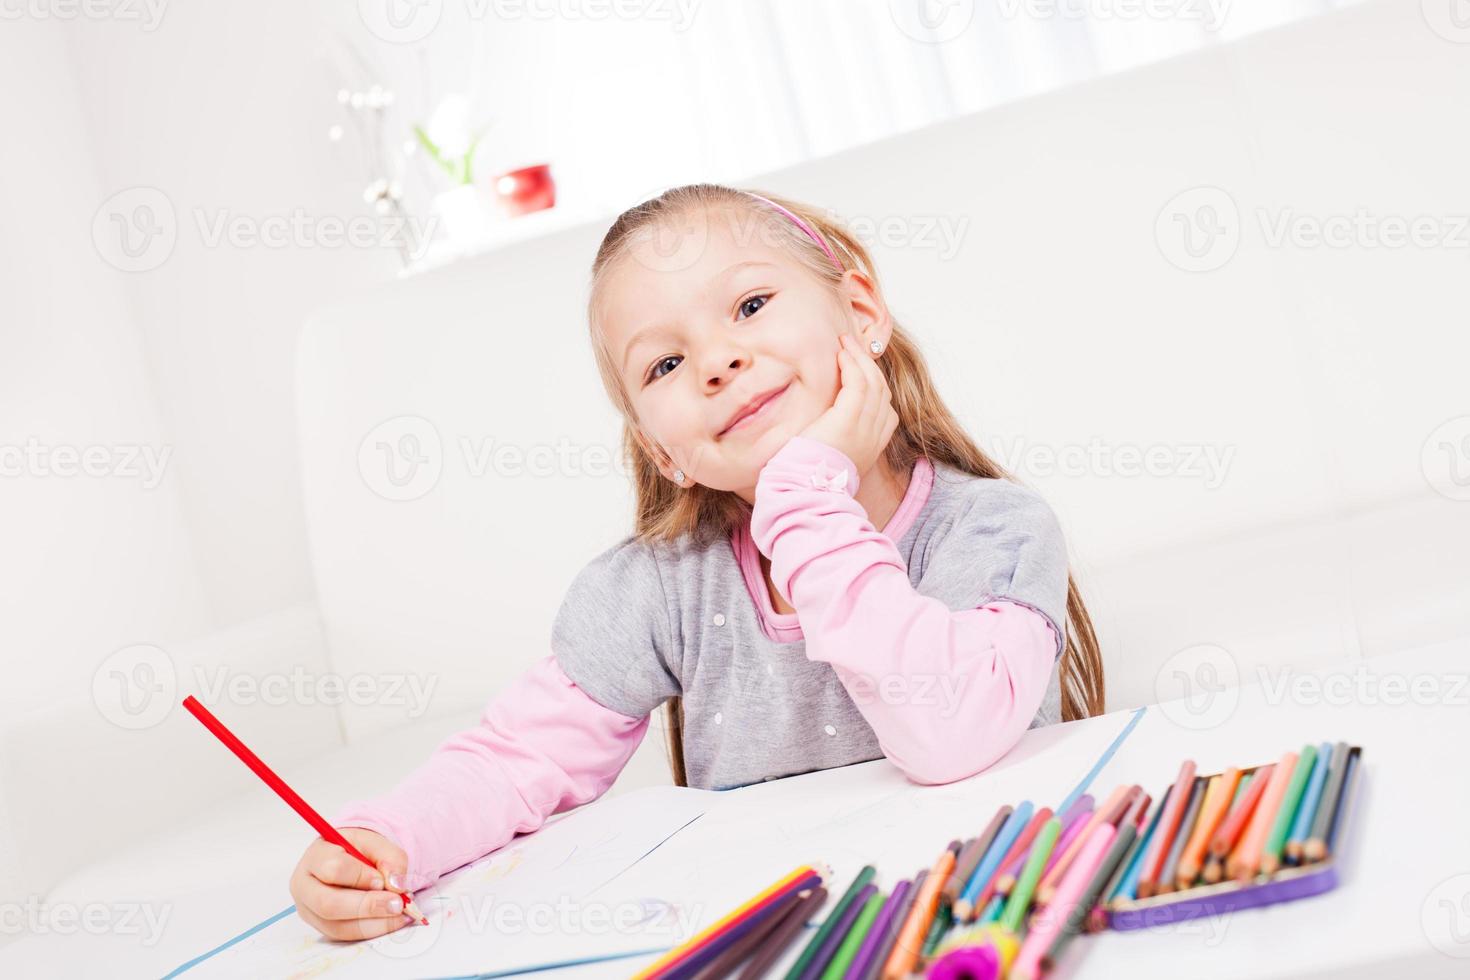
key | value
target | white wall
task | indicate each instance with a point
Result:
(225, 108)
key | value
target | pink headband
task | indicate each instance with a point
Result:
(811, 232)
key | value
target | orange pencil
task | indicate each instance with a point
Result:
(1110, 812)
(911, 936)
(1211, 814)
(1245, 860)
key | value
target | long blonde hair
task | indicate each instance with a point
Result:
(926, 427)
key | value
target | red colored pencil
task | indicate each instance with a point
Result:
(1240, 814)
(1153, 864)
(318, 823)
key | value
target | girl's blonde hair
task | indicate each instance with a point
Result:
(926, 427)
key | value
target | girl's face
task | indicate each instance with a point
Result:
(727, 346)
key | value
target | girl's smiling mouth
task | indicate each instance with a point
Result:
(760, 411)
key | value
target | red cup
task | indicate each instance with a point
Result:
(525, 190)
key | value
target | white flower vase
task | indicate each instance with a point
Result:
(467, 213)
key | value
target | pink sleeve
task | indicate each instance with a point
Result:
(947, 692)
(542, 746)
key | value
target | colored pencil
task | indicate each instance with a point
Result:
(1214, 866)
(289, 795)
(1109, 812)
(783, 934)
(1307, 812)
(1134, 818)
(696, 951)
(943, 919)
(900, 915)
(879, 930)
(1316, 847)
(1286, 814)
(1025, 890)
(1127, 884)
(1047, 924)
(1245, 860)
(1017, 853)
(724, 963)
(910, 937)
(1169, 874)
(827, 952)
(1351, 774)
(842, 959)
(1083, 802)
(970, 857)
(1153, 862)
(808, 954)
(1071, 827)
(989, 866)
(1234, 826)
(1212, 813)
(1077, 918)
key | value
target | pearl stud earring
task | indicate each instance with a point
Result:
(876, 347)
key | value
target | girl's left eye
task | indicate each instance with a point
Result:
(760, 300)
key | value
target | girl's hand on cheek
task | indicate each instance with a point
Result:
(862, 418)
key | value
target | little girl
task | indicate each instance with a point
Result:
(825, 569)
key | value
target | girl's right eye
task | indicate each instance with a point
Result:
(655, 374)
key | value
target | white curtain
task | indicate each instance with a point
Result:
(723, 90)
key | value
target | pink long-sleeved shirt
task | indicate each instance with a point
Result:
(934, 642)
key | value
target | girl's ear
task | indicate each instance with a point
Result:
(865, 306)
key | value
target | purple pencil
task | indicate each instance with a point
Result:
(874, 938)
(1085, 803)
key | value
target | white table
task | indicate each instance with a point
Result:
(1402, 909)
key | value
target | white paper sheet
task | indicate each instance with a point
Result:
(539, 899)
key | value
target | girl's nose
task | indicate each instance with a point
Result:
(723, 372)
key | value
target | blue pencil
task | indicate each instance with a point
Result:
(1128, 886)
(1307, 811)
(990, 864)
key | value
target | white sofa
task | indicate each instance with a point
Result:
(1059, 320)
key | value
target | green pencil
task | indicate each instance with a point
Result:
(855, 935)
(943, 919)
(1020, 898)
(807, 955)
(1286, 814)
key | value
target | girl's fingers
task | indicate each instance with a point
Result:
(352, 930)
(340, 904)
(337, 867)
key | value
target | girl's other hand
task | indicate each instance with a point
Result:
(344, 899)
(862, 418)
